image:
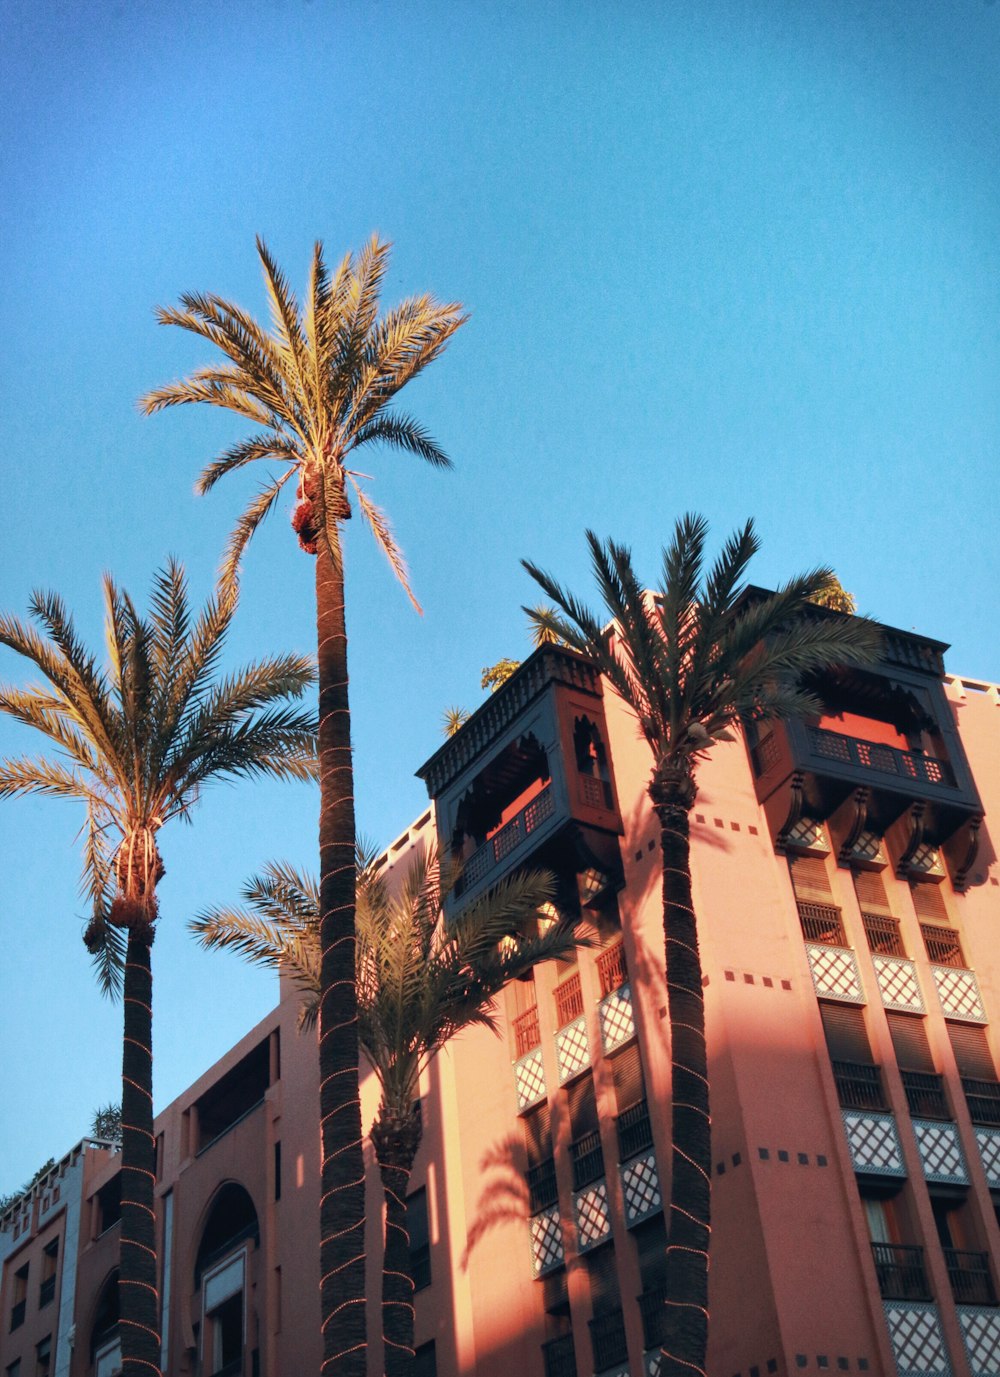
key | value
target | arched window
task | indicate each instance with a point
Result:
(231, 1232)
(105, 1345)
(591, 763)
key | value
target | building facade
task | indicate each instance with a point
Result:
(847, 891)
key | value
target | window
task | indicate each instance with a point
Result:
(108, 1358)
(43, 1357)
(14, 1370)
(20, 1297)
(47, 1289)
(929, 902)
(234, 1095)
(277, 1171)
(418, 1227)
(909, 1038)
(109, 1204)
(425, 1361)
(223, 1330)
(943, 945)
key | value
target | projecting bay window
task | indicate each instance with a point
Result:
(818, 914)
(859, 1080)
(923, 1086)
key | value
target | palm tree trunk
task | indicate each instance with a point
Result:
(688, 1219)
(342, 1206)
(396, 1139)
(138, 1300)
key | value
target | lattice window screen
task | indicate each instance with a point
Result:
(870, 889)
(626, 1071)
(846, 1035)
(810, 880)
(972, 1051)
(909, 1038)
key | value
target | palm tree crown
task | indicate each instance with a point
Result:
(319, 385)
(135, 743)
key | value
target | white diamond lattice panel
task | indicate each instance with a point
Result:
(874, 1143)
(615, 1372)
(651, 1361)
(940, 1151)
(989, 1150)
(593, 1219)
(959, 994)
(617, 1023)
(641, 1188)
(981, 1332)
(572, 1049)
(917, 1341)
(529, 1078)
(898, 983)
(546, 1241)
(835, 973)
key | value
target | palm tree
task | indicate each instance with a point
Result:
(420, 983)
(135, 743)
(318, 386)
(694, 661)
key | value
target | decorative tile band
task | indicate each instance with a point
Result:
(529, 1080)
(641, 1188)
(898, 984)
(917, 1341)
(546, 1241)
(874, 1143)
(958, 992)
(617, 1021)
(835, 973)
(572, 1049)
(941, 1152)
(593, 1218)
(989, 1150)
(981, 1332)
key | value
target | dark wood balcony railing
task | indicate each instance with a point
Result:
(883, 934)
(527, 1034)
(569, 1001)
(900, 1271)
(925, 1095)
(17, 1315)
(507, 839)
(588, 1160)
(873, 757)
(943, 946)
(653, 1311)
(611, 968)
(542, 1188)
(821, 923)
(607, 1339)
(983, 1099)
(969, 1274)
(859, 1085)
(559, 1357)
(47, 1291)
(635, 1133)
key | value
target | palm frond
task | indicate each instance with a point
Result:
(402, 432)
(264, 445)
(382, 531)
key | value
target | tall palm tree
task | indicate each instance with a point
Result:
(420, 983)
(319, 386)
(135, 744)
(694, 660)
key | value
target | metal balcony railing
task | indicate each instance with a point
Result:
(569, 1001)
(653, 1311)
(943, 946)
(969, 1274)
(882, 932)
(542, 1188)
(821, 923)
(588, 1160)
(873, 757)
(900, 1271)
(527, 1033)
(559, 1357)
(507, 839)
(611, 968)
(635, 1132)
(859, 1085)
(607, 1339)
(925, 1095)
(983, 1099)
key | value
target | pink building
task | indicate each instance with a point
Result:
(847, 891)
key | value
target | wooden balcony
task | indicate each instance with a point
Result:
(635, 1132)
(983, 1099)
(969, 1274)
(900, 1272)
(542, 1188)
(527, 1033)
(859, 1085)
(925, 1095)
(822, 923)
(607, 1339)
(559, 1357)
(588, 1160)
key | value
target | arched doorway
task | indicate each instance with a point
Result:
(105, 1345)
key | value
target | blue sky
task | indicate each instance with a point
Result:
(742, 258)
